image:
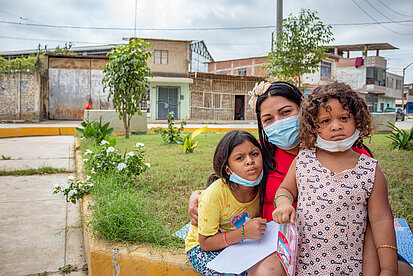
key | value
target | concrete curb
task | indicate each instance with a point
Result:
(36, 131)
(118, 259)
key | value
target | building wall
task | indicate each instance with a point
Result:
(254, 66)
(213, 96)
(178, 57)
(387, 102)
(183, 99)
(355, 77)
(20, 96)
(74, 82)
(392, 90)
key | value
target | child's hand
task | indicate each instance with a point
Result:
(255, 228)
(284, 214)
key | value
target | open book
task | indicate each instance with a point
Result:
(280, 238)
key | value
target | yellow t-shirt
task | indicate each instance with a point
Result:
(219, 211)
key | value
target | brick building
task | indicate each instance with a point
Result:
(253, 66)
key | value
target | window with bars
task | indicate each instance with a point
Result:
(325, 70)
(161, 56)
(242, 72)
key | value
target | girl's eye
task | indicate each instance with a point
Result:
(239, 158)
(344, 118)
(326, 121)
(286, 112)
(255, 154)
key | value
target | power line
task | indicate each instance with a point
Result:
(394, 10)
(142, 29)
(376, 21)
(187, 29)
(381, 12)
(51, 40)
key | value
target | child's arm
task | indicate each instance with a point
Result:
(193, 207)
(285, 212)
(253, 229)
(382, 224)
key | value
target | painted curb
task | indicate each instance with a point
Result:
(36, 131)
(118, 259)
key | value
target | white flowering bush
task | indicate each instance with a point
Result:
(73, 189)
(106, 158)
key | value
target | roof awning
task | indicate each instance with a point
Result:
(362, 47)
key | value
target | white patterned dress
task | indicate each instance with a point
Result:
(331, 215)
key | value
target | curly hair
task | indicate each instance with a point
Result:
(350, 100)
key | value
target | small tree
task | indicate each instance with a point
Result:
(126, 76)
(299, 49)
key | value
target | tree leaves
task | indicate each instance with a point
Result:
(126, 78)
(300, 47)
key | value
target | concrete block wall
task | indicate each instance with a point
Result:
(137, 123)
(20, 96)
(178, 57)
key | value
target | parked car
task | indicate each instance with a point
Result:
(400, 113)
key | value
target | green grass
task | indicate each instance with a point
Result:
(162, 193)
(43, 170)
(397, 167)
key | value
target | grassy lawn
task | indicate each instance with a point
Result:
(174, 175)
(162, 192)
(398, 169)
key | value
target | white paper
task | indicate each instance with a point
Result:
(239, 257)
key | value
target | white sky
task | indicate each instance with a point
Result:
(222, 44)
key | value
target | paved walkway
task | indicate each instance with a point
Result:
(39, 231)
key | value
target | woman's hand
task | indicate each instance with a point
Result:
(284, 213)
(193, 208)
(255, 228)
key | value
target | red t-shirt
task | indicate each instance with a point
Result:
(283, 160)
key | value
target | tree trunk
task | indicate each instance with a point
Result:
(126, 125)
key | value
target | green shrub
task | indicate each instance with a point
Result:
(93, 129)
(401, 139)
(172, 135)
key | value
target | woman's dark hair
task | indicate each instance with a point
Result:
(277, 88)
(224, 149)
(290, 92)
(351, 102)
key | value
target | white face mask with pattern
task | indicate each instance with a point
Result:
(340, 145)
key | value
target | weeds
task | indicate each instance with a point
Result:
(43, 170)
(66, 269)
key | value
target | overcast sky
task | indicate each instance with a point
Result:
(185, 14)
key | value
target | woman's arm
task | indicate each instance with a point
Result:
(382, 225)
(253, 229)
(285, 212)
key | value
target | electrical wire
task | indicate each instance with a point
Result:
(383, 13)
(376, 21)
(187, 29)
(394, 10)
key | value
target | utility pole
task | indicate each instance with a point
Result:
(279, 18)
(278, 23)
(136, 11)
(404, 73)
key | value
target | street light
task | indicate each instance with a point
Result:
(404, 71)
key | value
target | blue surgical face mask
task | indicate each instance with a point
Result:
(284, 133)
(242, 181)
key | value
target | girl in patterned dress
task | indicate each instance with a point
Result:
(334, 185)
(227, 203)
